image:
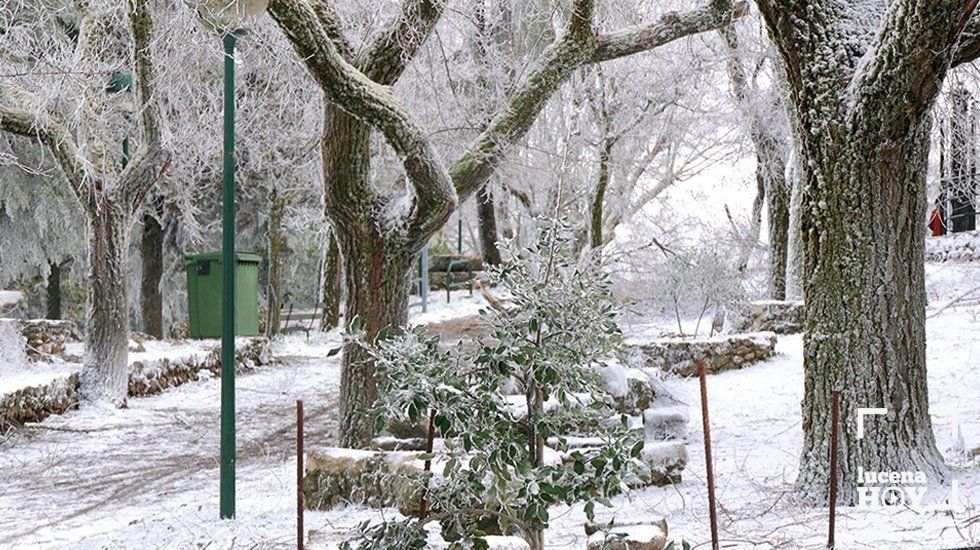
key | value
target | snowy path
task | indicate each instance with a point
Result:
(147, 476)
(157, 457)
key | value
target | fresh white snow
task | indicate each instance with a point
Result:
(147, 476)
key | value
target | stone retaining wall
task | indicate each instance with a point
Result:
(47, 337)
(36, 402)
(779, 316)
(680, 355)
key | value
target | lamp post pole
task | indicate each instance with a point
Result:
(228, 451)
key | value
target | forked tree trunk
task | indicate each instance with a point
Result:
(275, 244)
(376, 276)
(53, 304)
(104, 377)
(487, 217)
(151, 256)
(865, 314)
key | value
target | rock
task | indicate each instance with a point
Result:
(396, 444)
(779, 316)
(640, 536)
(665, 423)
(680, 355)
(632, 389)
(378, 479)
(665, 460)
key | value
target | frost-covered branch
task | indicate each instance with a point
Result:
(368, 101)
(671, 26)
(915, 35)
(570, 52)
(53, 134)
(142, 173)
(384, 60)
(968, 49)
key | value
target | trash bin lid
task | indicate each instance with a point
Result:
(240, 257)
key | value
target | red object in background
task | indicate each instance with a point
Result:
(936, 223)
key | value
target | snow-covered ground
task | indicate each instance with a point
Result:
(147, 476)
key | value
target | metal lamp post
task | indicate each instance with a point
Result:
(228, 18)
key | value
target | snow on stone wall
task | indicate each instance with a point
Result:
(680, 355)
(35, 395)
(779, 316)
(962, 247)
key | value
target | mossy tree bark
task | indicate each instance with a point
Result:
(331, 291)
(151, 260)
(275, 244)
(378, 242)
(864, 139)
(53, 296)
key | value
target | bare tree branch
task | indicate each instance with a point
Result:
(51, 133)
(570, 52)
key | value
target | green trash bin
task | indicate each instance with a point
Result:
(204, 273)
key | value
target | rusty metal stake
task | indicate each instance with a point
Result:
(424, 505)
(702, 367)
(299, 474)
(834, 412)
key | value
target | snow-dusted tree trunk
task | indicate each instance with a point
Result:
(794, 245)
(487, 216)
(380, 234)
(53, 291)
(109, 198)
(771, 150)
(105, 377)
(864, 152)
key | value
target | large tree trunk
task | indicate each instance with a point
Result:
(275, 245)
(376, 275)
(865, 314)
(54, 291)
(332, 279)
(488, 227)
(105, 373)
(151, 256)
(779, 200)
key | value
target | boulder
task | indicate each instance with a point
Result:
(664, 460)
(377, 479)
(638, 536)
(665, 423)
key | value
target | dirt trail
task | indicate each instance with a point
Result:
(99, 467)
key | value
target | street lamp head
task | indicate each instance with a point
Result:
(228, 15)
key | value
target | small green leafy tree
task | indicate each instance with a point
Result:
(495, 475)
